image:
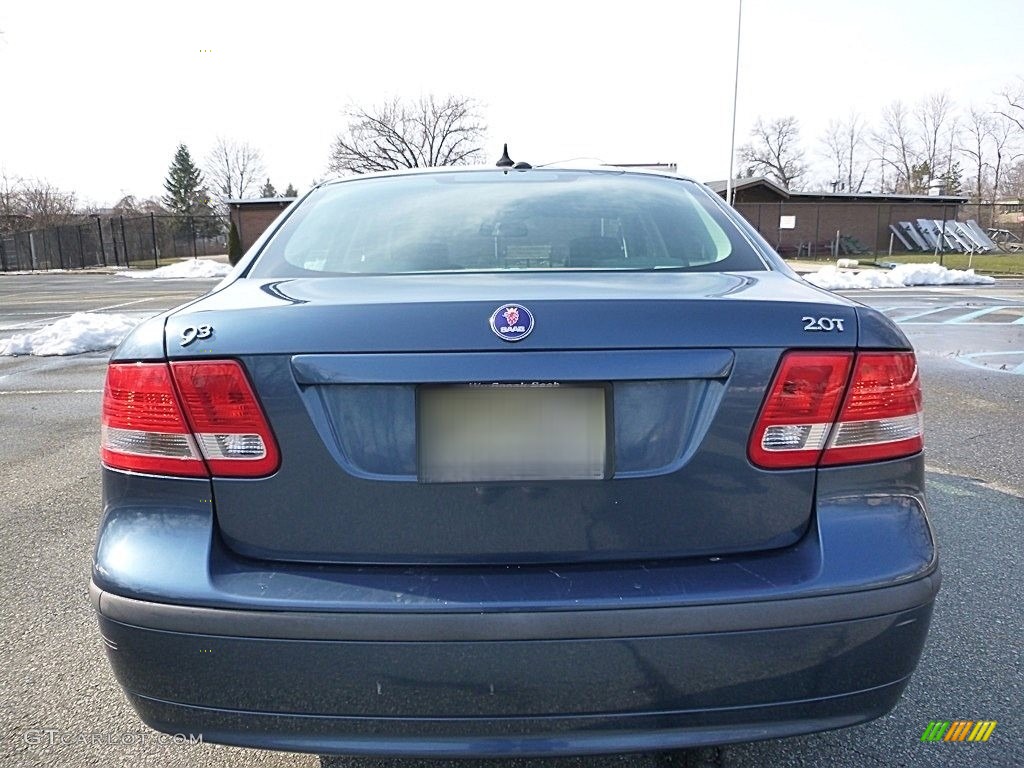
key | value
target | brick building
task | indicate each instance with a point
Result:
(806, 222)
(252, 217)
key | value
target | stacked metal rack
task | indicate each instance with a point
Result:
(937, 235)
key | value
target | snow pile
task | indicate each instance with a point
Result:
(82, 332)
(902, 276)
(190, 268)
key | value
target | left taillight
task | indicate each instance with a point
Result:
(192, 419)
(143, 426)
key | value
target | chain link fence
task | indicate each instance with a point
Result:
(812, 230)
(114, 241)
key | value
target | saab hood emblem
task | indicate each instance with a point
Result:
(512, 322)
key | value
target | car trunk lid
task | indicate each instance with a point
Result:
(667, 370)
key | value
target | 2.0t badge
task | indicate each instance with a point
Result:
(512, 322)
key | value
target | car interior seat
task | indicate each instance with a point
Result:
(596, 252)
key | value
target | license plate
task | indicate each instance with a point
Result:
(512, 432)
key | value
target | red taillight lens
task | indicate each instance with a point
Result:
(801, 424)
(143, 428)
(226, 419)
(190, 419)
(801, 406)
(881, 416)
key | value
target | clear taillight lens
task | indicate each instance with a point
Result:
(227, 421)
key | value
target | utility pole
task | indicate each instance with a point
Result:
(735, 98)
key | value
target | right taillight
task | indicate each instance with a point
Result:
(829, 408)
(881, 416)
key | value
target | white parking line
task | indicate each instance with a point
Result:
(117, 306)
(973, 359)
(34, 326)
(50, 391)
(971, 315)
(921, 314)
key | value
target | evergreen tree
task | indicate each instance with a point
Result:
(290, 192)
(186, 194)
(234, 244)
(268, 190)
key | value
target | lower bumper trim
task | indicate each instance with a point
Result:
(518, 737)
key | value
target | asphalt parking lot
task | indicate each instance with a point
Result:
(61, 706)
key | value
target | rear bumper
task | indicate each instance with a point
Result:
(517, 683)
(504, 660)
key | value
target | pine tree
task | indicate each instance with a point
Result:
(290, 192)
(186, 194)
(234, 244)
(268, 190)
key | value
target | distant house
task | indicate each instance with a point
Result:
(14, 222)
(663, 167)
(1009, 213)
(805, 222)
(253, 216)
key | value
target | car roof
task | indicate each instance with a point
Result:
(554, 167)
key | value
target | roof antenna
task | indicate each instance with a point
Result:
(504, 161)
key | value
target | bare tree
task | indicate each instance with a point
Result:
(845, 143)
(127, 206)
(234, 168)
(896, 147)
(975, 146)
(10, 203)
(1013, 181)
(1006, 146)
(44, 204)
(775, 151)
(938, 127)
(1013, 109)
(834, 151)
(430, 131)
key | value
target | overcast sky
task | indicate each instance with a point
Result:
(95, 96)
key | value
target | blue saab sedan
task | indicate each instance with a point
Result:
(512, 461)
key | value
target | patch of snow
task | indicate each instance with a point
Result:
(81, 332)
(33, 271)
(901, 276)
(190, 268)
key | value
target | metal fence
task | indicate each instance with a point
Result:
(114, 241)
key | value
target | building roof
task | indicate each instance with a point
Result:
(753, 181)
(764, 181)
(259, 200)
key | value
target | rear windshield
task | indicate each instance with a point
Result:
(484, 221)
